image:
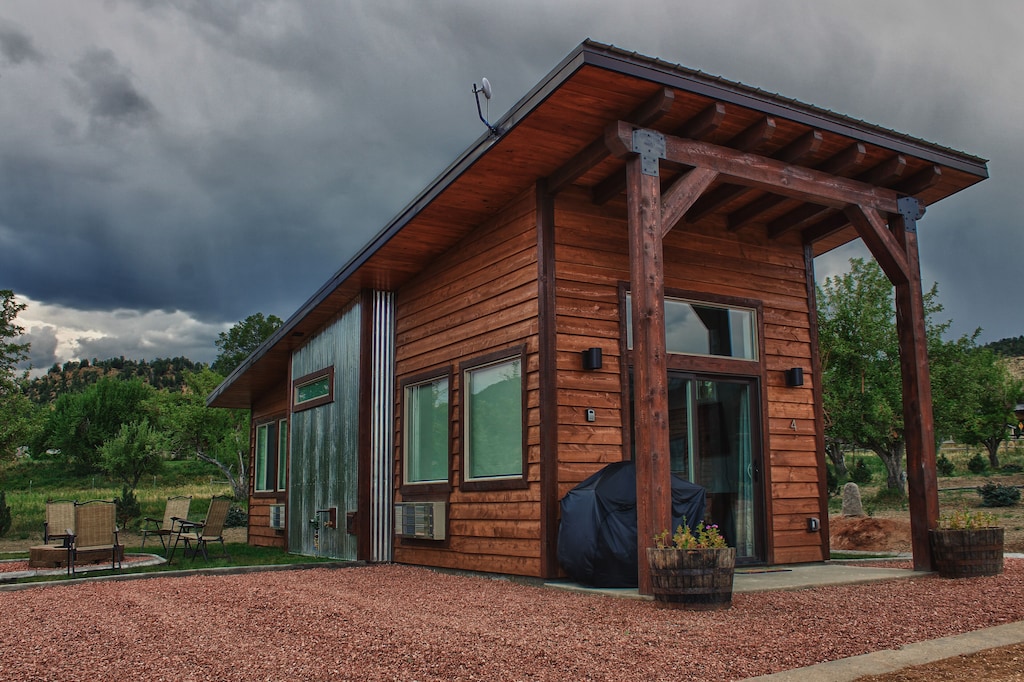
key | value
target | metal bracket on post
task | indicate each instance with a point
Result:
(650, 145)
(911, 210)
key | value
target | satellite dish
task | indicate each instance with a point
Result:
(485, 89)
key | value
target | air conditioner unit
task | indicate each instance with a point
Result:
(277, 516)
(420, 520)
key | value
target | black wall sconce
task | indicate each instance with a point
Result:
(795, 376)
(591, 358)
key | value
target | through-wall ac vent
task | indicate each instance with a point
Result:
(277, 516)
(420, 520)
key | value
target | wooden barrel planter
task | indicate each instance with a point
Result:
(967, 553)
(696, 579)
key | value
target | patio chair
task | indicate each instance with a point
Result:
(196, 536)
(95, 535)
(175, 511)
(60, 520)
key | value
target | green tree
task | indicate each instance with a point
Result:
(242, 339)
(994, 392)
(863, 392)
(82, 422)
(17, 414)
(220, 437)
(135, 451)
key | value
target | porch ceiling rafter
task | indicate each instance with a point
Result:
(793, 152)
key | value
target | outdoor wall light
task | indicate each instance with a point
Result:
(795, 376)
(591, 358)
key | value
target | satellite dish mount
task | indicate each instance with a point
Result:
(485, 89)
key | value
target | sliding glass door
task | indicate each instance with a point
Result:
(714, 442)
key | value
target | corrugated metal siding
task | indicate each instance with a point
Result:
(382, 425)
(325, 443)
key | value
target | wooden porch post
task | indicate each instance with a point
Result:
(650, 396)
(918, 424)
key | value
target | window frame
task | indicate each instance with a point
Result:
(512, 481)
(416, 488)
(311, 378)
(273, 459)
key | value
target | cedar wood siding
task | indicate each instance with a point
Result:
(592, 258)
(272, 405)
(478, 298)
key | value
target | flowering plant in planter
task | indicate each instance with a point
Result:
(692, 570)
(965, 519)
(707, 537)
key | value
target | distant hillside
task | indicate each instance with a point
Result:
(162, 373)
(1012, 347)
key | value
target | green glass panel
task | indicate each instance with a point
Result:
(262, 446)
(282, 453)
(313, 390)
(495, 420)
(427, 432)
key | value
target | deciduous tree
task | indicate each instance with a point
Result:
(242, 339)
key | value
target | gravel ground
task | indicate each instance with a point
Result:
(404, 623)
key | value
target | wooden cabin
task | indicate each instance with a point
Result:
(623, 269)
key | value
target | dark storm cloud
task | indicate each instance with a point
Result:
(16, 47)
(106, 88)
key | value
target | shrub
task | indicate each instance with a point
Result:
(128, 508)
(1011, 468)
(236, 518)
(944, 466)
(860, 474)
(5, 514)
(977, 464)
(998, 495)
(888, 498)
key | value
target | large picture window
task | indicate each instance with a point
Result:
(693, 328)
(493, 420)
(271, 451)
(426, 423)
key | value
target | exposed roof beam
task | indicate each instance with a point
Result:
(808, 143)
(597, 151)
(837, 164)
(919, 181)
(752, 170)
(825, 227)
(697, 127)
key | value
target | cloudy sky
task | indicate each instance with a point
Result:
(169, 167)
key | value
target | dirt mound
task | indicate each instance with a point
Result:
(870, 534)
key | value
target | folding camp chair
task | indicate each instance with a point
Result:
(60, 520)
(95, 534)
(175, 511)
(195, 536)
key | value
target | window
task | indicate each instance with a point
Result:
(493, 421)
(313, 389)
(426, 422)
(693, 328)
(271, 452)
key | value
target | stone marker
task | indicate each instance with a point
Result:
(851, 500)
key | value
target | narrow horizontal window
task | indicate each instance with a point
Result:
(313, 389)
(693, 328)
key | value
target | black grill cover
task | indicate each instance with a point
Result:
(597, 543)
